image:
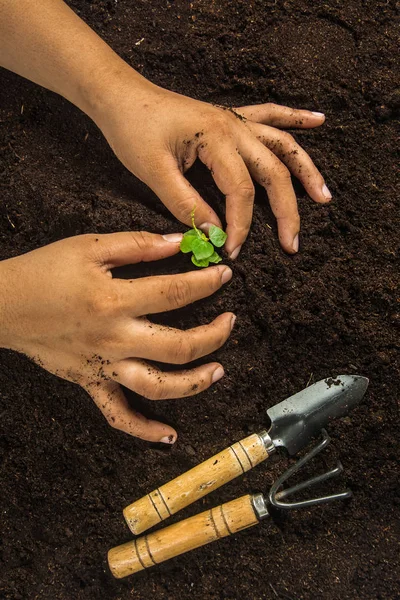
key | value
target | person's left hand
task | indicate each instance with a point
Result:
(158, 134)
(61, 306)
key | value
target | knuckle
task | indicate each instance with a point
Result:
(141, 239)
(104, 304)
(116, 422)
(245, 188)
(179, 292)
(183, 206)
(155, 391)
(220, 121)
(184, 351)
(112, 420)
(281, 171)
(93, 246)
(288, 138)
(273, 111)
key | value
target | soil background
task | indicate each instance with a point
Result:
(332, 309)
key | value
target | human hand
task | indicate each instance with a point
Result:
(158, 135)
(61, 306)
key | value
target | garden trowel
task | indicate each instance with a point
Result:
(294, 422)
(221, 521)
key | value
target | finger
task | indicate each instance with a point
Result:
(111, 401)
(272, 174)
(222, 157)
(174, 346)
(131, 247)
(152, 383)
(281, 116)
(285, 147)
(150, 295)
(179, 196)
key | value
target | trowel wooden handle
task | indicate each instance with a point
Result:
(196, 483)
(184, 536)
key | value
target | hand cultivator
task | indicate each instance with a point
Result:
(293, 423)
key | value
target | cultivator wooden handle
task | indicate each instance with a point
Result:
(186, 535)
(196, 483)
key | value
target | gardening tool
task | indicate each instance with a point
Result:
(293, 423)
(218, 522)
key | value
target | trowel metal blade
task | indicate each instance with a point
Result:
(302, 416)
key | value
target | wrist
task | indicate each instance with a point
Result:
(100, 95)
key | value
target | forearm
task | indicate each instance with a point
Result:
(46, 42)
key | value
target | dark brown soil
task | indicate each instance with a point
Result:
(333, 308)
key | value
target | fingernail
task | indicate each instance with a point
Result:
(173, 237)
(168, 439)
(235, 253)
(326, 192)
(226, 275)
(317, 114)
(218, 373)
(205, 227)
(233, 321)
(295, 244)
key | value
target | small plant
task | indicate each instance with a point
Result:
(198, 243)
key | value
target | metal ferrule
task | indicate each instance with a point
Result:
(267, 441)
(260, 506)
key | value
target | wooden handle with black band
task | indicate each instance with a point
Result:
(184, 536)
(196, 483)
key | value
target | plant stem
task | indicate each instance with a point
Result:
(199, 233)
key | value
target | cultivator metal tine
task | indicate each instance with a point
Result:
(310, 482)
(276, 497)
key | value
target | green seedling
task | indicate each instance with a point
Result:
(201, 246)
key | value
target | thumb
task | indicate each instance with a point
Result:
(111, 401)
(180, 197)
(131, 247)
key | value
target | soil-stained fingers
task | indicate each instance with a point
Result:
(154, 384)
(110, 399)
(131, 247)
(281, 116)
(178, 195)
(272, 174)
(166, 344)
(222, 156)
(150, 295)
(285, 147)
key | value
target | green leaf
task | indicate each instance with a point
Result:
(215, 258)
(187, 243)
(217, 236)
(202, 249)
(191, 232)
(200, 263)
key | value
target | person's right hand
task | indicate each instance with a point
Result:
(158, 135)
(61, 306)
